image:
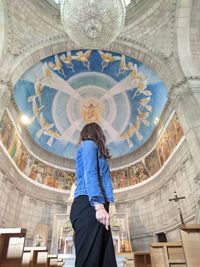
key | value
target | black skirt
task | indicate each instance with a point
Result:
(93, 243)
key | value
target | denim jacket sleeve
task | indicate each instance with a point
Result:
(89, 158)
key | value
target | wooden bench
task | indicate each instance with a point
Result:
(11, 246)
(141, 259)
(167, 254)
(35, 257)
(60, 262)
(190, 235)
(26, 259)
(52, 260)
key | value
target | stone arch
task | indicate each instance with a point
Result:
(188, 36)
(155, 62)
(158, 64)
(4, 34)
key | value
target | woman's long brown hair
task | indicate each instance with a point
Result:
(94, 132)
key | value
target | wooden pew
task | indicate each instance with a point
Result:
(35, 257)
(167, 254)
(60, 262)
(141, 259)
(26, 259)
(11, 246)
(52, 260)
(190, 235)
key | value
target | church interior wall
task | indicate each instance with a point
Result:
(18, 209)
(147, 215)
(151, 212)
(174, 56)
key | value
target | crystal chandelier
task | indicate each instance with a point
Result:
(93, 23)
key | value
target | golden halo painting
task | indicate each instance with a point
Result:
(63, 92)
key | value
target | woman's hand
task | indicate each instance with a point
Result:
(102, 215)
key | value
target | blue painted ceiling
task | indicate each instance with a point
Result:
(64, 91)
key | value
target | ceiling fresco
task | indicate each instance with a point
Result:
(63, 92)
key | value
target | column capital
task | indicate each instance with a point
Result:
(4, 83)
(5, 95)
(179, 90)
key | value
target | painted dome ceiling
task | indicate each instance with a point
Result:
(63, 92)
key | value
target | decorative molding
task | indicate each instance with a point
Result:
(5, 96)
(33, 200)
(179, 84)
(143, 45)
(9, 34)
(13, 188)
(173, 23)
(165, 188)
(21, 194)
(49, 40)
(196, 90)
(186, 160)
(197, 178)
(47, 204)
(179, 90)
(181, 168)
(194, 83)
(147, 198)
(157, 193)
(195, 77)
(5, 179)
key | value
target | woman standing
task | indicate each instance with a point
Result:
(90, 209)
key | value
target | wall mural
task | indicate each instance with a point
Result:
(62, 179)
(28, 164)
(144, 169)
(63, 92)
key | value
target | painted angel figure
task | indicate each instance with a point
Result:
(133, 129)
(38, 89)
(47, 129)
(44, 126)
(107, 58)
(52, 135)
(36, 108)
(144, 103)
(57, 66)
(138, 81)
(142, 116)
(83, 57)
(67, 60)
(122, 66)
(47, 74)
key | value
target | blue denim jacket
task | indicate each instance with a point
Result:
(97, 188)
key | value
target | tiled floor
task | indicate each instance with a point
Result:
(69, 262)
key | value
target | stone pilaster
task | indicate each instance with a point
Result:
(188, 110)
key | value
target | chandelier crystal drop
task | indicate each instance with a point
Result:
(93, 23)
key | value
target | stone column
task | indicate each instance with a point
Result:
(187, 108)
(195, 87)
(5, 96)
(188, 111)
